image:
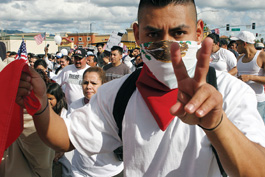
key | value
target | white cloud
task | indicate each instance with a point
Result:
(72, 16)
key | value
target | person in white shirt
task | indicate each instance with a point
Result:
(179, 143)
(105, 164)
(222, 59)
(251, 67)
(71, 76)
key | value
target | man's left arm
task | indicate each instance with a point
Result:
(201, 104)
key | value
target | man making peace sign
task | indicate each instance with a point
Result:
(155, 143)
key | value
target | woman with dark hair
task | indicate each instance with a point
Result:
(96, 165)
(56, 98)
(44, 76)
(41, 64)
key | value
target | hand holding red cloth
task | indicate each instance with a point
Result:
(11, 118)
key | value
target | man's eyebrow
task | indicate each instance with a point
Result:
(150, 28)
(180, 27)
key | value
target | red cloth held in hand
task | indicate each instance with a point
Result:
(11, 118)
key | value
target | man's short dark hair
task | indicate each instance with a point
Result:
(100, 45)
(223, 42)
(120, 50)
(162, 3)
(40, 62)
(12, 53)
(231, 43)
(215, 37)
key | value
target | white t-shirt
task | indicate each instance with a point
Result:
(252, 68)
(223, 60)
(181, 150)
(98, 165)
(71, 77)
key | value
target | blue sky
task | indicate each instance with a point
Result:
(105, 16)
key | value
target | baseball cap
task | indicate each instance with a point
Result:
(59, 55)
(80, 52)
(245, 36)
(89, 53)
(64, 52)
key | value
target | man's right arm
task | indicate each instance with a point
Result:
(50, 126)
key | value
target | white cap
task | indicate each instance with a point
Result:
(59, 55)
(89, 53)
(245, 36)
(64, 52)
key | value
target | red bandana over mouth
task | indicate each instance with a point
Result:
(11, 118)
(158, 97)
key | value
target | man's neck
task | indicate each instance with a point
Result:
(116, 64)
(250, 52)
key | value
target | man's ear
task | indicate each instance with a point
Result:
(199, 31)
(136, 32)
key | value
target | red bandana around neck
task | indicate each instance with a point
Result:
(158, 97)
(11, 114)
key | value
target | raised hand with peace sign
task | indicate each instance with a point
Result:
(198, 102)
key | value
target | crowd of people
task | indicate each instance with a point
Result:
(175, 122)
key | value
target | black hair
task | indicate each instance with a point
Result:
(35, 56)
(12, 53)
(223, 42)
(120, 50)
(56, 90)
(100, 45)
(231, 43)
(215, 37)
(163, 3)
(30, 55)
(67, 59)
(40, 62)
(44, 76)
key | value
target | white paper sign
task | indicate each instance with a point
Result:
(114, 40)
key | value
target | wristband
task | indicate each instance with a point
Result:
(43, 109)
(211, 129)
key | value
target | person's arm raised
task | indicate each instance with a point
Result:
(50, 126)
(200, 103)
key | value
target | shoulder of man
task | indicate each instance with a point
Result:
(108, 66)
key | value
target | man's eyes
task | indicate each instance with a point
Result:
(175, 34)
(178, 33)
(153, 34)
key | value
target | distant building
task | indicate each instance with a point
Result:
(13, 43)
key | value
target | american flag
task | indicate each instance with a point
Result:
(22, 52)
(216, 31)
(40, 38)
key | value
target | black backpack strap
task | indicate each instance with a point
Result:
(124, 94)
(211, 77)
(222, 171)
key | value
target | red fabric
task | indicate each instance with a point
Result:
(158, 97)
(11, 118)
